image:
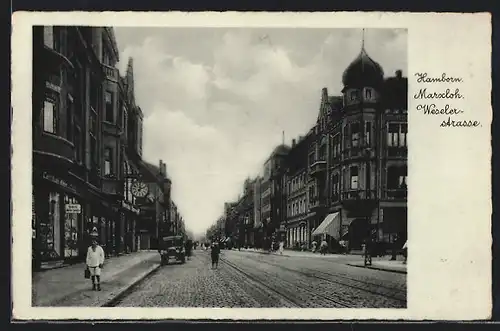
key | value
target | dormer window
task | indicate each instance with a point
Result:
(354, 96)
(369, 94)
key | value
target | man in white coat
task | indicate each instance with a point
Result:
(95, 261)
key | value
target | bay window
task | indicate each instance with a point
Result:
(108, 161)
(368, 131)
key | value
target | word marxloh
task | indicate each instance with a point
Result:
(422, 78)
(447, 94)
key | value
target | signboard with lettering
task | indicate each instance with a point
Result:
(73, 208)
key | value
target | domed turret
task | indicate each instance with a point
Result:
(363, 71)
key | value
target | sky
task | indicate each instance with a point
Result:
(216, 100)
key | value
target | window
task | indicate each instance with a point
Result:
(78, 145)
(368, 94)
(397, 177)
(109, 107)
(49, 116)
(335, 187)
(322, 151)
(311, 159)
(402, 134)
(355, 133)
(368, 131)
(354, 178)
(354, 96)
(397, 134)
(108, 161)
(93, 150)
(69, 118)
(336, 146)
(48, 36)
(346, 137)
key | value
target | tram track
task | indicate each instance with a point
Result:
(298, 302)
(399, 296)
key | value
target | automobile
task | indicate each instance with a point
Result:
(172, 247)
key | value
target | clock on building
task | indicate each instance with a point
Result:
(139, 189)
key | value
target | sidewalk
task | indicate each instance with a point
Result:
(383, 263)
(63, 287)
(307, 254)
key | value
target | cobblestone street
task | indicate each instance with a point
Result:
(248, 280)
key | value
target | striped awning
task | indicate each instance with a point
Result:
(330, 226)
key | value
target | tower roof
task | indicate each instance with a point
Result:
(363, 71)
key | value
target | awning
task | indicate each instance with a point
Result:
(330, 226)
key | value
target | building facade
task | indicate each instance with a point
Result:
(297, 223)
(84, 145)
(358, 159)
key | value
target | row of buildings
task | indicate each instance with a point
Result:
(345, 180)
(88, 172)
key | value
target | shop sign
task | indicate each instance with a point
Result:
(73, 208)
(58, 181)
(130, 208)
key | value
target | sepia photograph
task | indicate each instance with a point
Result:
(219, 167)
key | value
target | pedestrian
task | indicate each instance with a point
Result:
(314, 246)
(95, 262)
(215, 252)
(282, 246)
(323, 247)
(405, 251)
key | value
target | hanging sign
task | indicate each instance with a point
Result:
(73, 208)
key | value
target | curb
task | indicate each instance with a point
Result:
(124, 290)
(378, 268)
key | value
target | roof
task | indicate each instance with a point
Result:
(363, 71)
(281, 150)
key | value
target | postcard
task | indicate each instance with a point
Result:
(229, 165)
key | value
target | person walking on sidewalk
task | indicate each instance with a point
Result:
(95, 261)
(215, 252)
(282, 245)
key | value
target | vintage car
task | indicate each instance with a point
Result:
(172, 247)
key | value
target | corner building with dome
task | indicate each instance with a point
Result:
(357, 163)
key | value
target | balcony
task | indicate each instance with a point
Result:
(110, 72)
(111, 185)
(397, 152)
(54, 148)
(317, 167)
(110, 129)
(396, 194)
(355, 195)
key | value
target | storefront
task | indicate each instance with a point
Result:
(57, 223)
(130, 215)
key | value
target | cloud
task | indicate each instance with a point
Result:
(216, 104)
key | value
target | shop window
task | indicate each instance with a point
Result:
(49, 116)
(109, 107)
(71, 228)
(50, 228)
(354, 178)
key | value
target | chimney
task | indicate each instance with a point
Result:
(294, 142)
(164, 169)
(161, 167)
(399, 74)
